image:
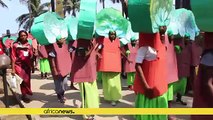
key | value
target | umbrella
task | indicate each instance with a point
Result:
(111, 19)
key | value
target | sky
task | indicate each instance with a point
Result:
(15, 8)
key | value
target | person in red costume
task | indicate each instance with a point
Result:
(60, 62)
(203, 85)
(150, 83)
(21, 63)
(110, 50)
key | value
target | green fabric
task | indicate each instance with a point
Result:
(87, 17)
(14, 38)
(89, 94)
(180, 86)
(99, 76)
(72, 25)
(170, 92)
(111, 19)
(177, 49)
(143, 102)
(184, 26)
(130, 78)
(202, 11)
(147, 15)
(44, 65)
(47, 26)
(111, 86)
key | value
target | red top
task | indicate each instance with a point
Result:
(21, 53)
(208, 41)
(62, 58)
(130, 67)
(111, 55)
(83, 69)
(154, 71)
(172, 75)
(1, 48)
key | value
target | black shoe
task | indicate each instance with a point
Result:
(181, 102)
(25, 99)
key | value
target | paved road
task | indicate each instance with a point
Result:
(44, 97)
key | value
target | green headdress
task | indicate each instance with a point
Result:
(182, 21)
(148, 15)
(111, 19)
(48, 27)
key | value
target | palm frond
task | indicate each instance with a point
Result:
(3, 4)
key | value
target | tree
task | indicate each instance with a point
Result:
(71, 5)
(2, 4)
(35, 9)
(123, 3)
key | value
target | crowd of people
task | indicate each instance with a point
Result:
(159, 66)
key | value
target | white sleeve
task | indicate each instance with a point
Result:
(141, 54)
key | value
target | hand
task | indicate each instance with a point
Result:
(149, 92)
(130, 61)
(57, 77)
(99, 55)
(13, 73)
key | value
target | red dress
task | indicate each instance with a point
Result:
(130, 67)
(202, 97)
(83, 70)
(62, 58)
(111, 55)
(21, 55)
(154, 71)
(172, 75)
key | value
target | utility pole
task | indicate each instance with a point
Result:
(53, 5)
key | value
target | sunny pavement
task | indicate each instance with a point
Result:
(44, 97)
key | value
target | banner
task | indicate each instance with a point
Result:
(106, 111)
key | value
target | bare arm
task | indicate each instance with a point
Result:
(141, 76)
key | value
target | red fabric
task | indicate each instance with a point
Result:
(42, 52)
(208, 41)
(184, 61)
(130, 67)
(154, 71)
(172, 75)
(111, 56)
(63, 61)
(83, 70)
(1, 48)
(196, 52)
(22, 58)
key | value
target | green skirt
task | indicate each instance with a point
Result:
(170, 94)
(44, 65)
(130, 78)
(143, 102)
(89, 94)
(180, 86)
(111, 86)
(99, 76)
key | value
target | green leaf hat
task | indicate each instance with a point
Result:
(182, 23)
(49, 27)
(111, 19)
